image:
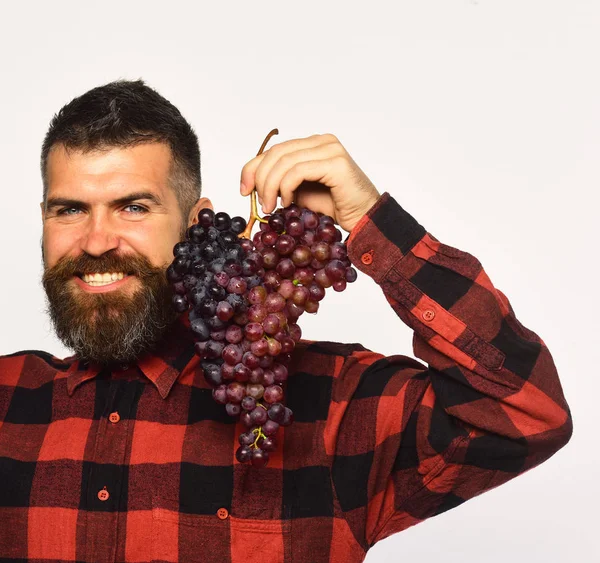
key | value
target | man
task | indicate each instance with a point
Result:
(119, 453)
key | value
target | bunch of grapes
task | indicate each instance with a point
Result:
(244, 299)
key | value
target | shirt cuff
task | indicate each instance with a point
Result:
(382, 237)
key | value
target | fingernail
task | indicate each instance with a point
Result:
(243, 188)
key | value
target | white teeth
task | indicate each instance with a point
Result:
(98, 279)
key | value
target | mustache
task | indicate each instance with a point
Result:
(70, 266)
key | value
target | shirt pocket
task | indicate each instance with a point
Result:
(218, 538)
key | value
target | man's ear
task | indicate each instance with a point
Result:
(43, 210)
(200, 204)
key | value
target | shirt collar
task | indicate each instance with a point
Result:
(173, 355)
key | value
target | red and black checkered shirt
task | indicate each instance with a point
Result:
(138, 464)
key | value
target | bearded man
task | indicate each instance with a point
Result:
(119, 453)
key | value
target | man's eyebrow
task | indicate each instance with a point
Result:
(136, 196)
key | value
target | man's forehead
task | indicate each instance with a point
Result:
(112, 170)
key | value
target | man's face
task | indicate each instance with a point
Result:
(111, 220)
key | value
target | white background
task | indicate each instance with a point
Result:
(481, 117)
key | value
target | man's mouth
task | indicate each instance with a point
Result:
(98, 279)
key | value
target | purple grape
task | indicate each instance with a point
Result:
(233, 409)
(286, 268)
(270, 428)
(248, 404)
(259, 416)
(232, 354)
(259, 458)
(220, 394)
(273, 394)
(285, 245)
(243, 454)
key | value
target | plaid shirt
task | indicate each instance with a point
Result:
(137, 463)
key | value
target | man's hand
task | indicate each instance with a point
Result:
(315, 172)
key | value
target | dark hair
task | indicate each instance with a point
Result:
(125, 113)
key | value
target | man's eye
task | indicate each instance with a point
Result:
(68, 211)
(134, 208)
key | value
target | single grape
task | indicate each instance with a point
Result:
(311, 307)
(206, 217)
(270, 428)
(274, 302)
(250, 360)
(256, 375)
(200, 329)
(273, 394)
(222, 221)
(305, 276)
(246, 438)
(212, 374)
(335, 270)
(300, 295)
(234, 334)
(322, 279)
(259, 458)
(255, 390)
(238, 225)
(270, 258)
(277, 222)
(259, 347)
(281, 374)
(241, 373)
(276, 412)
(180, 303)
(220, 394)
(259, 416)
(301, 256)
(233, 409)
(316, 292)
(294, 227)
(235, 392)
(248, 404)
(338, 251)
(310, 219)
(339, 285)
(285, 244)
(267, 444)
(232, 354)
(243, 454)
(268, 377)
(254, 331)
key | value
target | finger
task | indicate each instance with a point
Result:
(309, 171)
(256, 169)
(273, 187)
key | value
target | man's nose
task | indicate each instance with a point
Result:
(100, 236)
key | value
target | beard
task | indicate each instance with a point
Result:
(113, 326)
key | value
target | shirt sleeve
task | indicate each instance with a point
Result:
(410, 441)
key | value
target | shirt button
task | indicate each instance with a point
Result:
(103, 494)
(367, 257)
(428, 314)
(222, 513)
(114, 417)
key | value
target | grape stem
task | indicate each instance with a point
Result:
(259, 435)
(253, 205)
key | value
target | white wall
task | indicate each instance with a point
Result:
(480, 116)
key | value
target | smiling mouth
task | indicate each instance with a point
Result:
(98, 279)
